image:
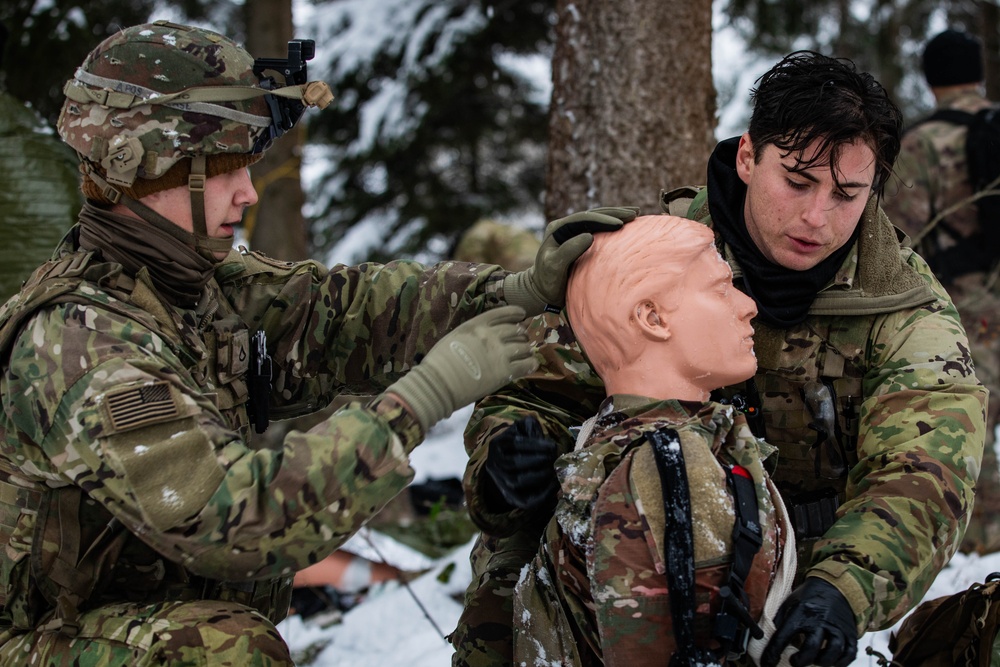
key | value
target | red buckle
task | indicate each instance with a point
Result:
(741, 471)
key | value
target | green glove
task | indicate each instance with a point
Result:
(544, 284)
(475, 359)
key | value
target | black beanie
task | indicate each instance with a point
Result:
(953, 58)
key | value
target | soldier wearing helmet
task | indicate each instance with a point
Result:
(140, 522)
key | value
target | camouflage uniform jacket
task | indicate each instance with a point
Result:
(596, 592)
(900, 445)
(127, 472)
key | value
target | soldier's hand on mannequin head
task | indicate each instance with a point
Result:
(519, 468)
(823, 617)
(475, 359)
(565, 239)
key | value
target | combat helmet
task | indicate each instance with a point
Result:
(160, 105)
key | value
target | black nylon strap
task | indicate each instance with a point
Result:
(734, 625)
(678, 545)
(747, 537)
(954, 116)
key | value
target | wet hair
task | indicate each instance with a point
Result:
(809, 96)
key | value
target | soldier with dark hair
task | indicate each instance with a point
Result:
(864, 380)
(140, 523)
(933, 202)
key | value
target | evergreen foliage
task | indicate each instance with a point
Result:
(436, 124)
(432, 128)
(884, 37)
(47, 41)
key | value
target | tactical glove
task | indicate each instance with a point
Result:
(820, 613)
(519, 468)
(565, 239)
(475, 359)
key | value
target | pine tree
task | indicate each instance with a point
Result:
(48, 41)
(434, 126)
(884, 37)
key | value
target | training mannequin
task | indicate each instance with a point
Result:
(663, 326)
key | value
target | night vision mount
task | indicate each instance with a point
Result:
(285, 112)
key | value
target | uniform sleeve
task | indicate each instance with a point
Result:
(117, 415)
(351, 329)
(562, 393)
(920, 446)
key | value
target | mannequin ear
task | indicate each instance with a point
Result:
(651, 320)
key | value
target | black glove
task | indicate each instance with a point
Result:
(821, 614)
(519, 468)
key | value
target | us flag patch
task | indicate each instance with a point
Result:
(144, 405)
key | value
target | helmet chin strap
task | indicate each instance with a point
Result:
(205, 245)
(198, 239)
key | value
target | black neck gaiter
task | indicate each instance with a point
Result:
(178, 272)
(783, 296)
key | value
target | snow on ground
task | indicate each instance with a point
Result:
(389, 628)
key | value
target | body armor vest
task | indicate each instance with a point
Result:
(63, 552)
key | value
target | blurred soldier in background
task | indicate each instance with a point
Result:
(958, 235)
(492, 242)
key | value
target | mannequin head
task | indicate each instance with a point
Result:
(654, 308)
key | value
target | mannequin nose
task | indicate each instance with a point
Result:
(748, 307)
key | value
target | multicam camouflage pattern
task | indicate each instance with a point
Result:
(492, 242)
(156, 59)
(124, 432)
(888, 340)
(597, 593)
(484, 635)
(168, 634)
(932, 177)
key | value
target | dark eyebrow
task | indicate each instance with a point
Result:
(809, 177)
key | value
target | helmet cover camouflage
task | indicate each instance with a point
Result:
(105, 117)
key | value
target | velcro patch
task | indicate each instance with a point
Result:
(141, 406)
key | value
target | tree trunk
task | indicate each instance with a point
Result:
(989, 25)
(633, 103)
(275, 226)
